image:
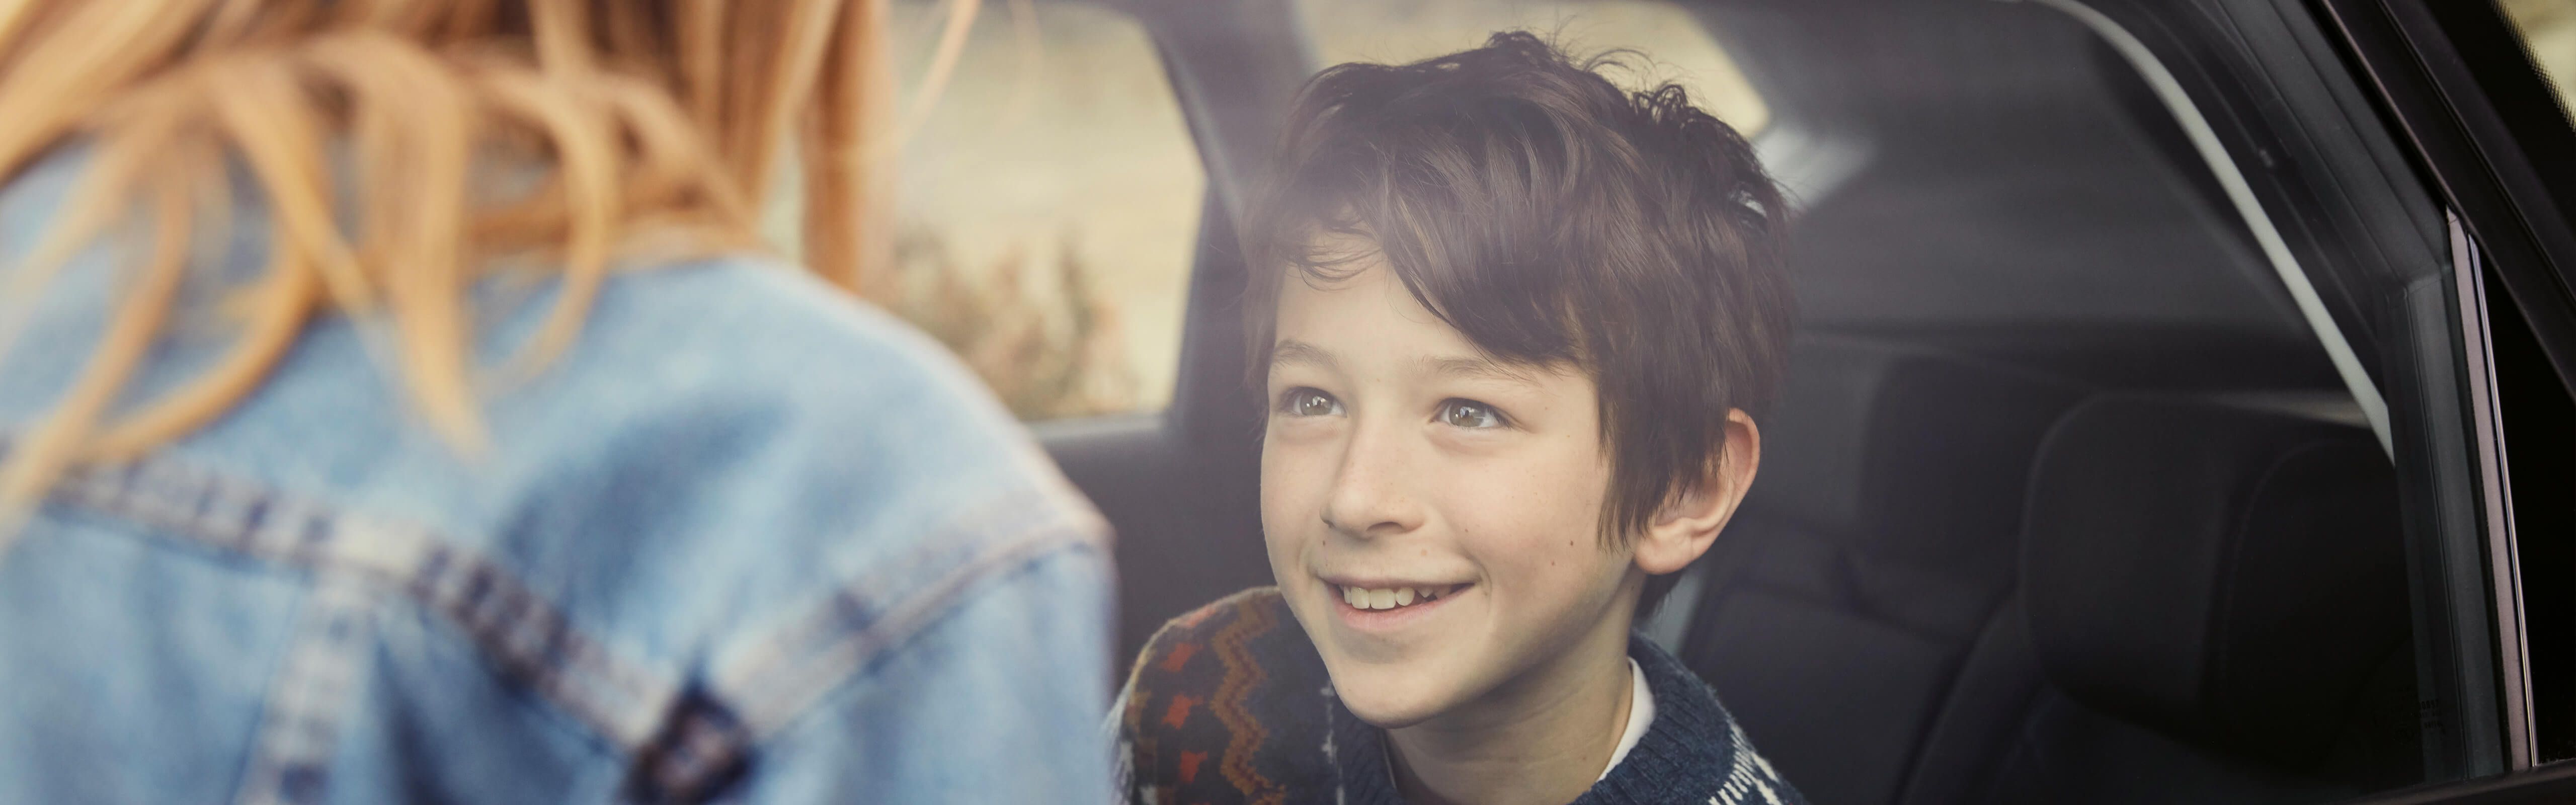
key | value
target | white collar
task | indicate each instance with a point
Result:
(1641, 713)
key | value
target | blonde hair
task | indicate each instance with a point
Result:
(640, 117)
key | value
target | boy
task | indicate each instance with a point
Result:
(1510, 321)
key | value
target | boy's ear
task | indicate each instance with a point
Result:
(1685, 527)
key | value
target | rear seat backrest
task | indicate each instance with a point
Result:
(1877, 543)
(1905, 452)
(2219, 595)
(2228, 576)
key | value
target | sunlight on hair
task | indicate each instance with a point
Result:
(1671, 43)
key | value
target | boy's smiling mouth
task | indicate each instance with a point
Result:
(1393, 597)
(1373, 605)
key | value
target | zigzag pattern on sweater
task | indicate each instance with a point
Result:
(1238, 681)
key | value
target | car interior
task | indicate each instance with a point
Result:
(2064, 500)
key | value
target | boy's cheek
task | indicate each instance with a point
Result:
(1287, 518)
(1295, 477)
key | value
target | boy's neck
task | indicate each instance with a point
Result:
(1540, 739)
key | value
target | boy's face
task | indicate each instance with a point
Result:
(1400, 462)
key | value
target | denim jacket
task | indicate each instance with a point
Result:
(744, 542)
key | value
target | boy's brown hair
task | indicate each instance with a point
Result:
(1553, 219)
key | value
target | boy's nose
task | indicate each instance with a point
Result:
(1371, 496)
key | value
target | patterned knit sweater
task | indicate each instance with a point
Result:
(1231, 704)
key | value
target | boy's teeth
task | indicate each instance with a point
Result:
(1387, 598)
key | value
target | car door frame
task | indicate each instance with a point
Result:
(2442, 77)
(2338, 129)
(2505, 222)
(2332, 186)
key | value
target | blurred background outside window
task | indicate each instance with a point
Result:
(1045, 209)
(2549, 29)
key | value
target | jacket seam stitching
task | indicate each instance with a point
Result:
(839, 638)
(522, 634)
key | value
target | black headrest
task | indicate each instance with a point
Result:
(2229, 576)
(1905, 452)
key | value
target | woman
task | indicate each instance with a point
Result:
(398, 407)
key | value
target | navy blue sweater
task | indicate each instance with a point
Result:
(1230, 704)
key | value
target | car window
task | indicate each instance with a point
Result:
(2167, 285)
(2044, 354)
(2532, 424)
(1670, 43)
(2094, 273)
(1045, 206)
(2529, 413)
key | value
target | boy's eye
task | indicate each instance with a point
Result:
(1308, 402)
(1469, 414)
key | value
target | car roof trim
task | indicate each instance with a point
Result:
(2204, 140)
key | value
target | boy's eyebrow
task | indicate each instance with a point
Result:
(1290, 350)
(1293, 351)
(1477, 367)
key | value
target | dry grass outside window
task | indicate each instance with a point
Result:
(1038, 330)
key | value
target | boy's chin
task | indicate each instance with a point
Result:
(1389, 697)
